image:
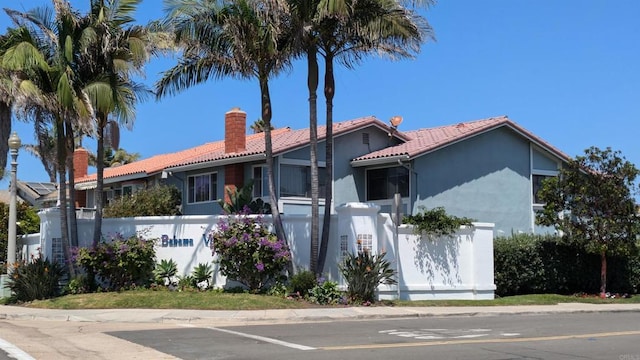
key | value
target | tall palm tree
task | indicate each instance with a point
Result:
(46, 56)
(345, 30)
(240, 39)
(114, 50)
(383, 27)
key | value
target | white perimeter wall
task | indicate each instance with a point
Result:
(459, 267)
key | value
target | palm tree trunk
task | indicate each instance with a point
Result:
(97, 225)
(312, 84)
(62, 193)
(329, 93)
(5, 131)
(266, 116)
(73, 221)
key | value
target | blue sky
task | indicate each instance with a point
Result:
(568, 71)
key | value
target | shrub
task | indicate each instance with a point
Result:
(302, 282)
(159, 200)
(436, 222)
(165, 272)
(248, 252)
(201, 275)
(363, 273)
(325, 293)
(34, 280)
(77, 285)
(120, 263)
(28, 223)
(242, 199)
(529, 264)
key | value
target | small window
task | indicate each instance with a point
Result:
(202, 188)
(537, 182)
(383, 183)
(295, 181)
(260, 182)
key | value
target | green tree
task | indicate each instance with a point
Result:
(45, 53)
(28, 223)
(117, 50)
(114, 158)
(592, 203)
(241, 39)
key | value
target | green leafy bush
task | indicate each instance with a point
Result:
(120, 263)
(159, 200)
(325, 293)
(248, 252)
(436, 222)
(303, 281)
(242, 200)
(363, 273)
(37, 279)
(530, 264)
(28, 223)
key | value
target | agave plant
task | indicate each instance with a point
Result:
(202, 275)
(165, 272)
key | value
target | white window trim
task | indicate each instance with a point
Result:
(533, 171)
(213, 188)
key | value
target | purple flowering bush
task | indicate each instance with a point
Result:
(248, 252)
(119, 263)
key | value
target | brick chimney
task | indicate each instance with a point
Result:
(80, 163)
(235, 129)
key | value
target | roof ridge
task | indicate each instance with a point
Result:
(501, 117)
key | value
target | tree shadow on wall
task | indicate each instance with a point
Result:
(437, 258)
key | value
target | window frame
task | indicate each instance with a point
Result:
(306, 165)
(367, 187)
(213, 188)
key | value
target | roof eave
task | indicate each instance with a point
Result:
(387, 160)
(219, 162)
(88, 185)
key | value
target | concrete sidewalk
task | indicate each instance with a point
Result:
(215, 317)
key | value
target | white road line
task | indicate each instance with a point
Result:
(14, 351)
(259, 338)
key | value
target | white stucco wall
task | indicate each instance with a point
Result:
(460, 267)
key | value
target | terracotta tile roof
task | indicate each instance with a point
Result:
(426, 140)
(283, 139)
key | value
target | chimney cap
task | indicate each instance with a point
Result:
(235, 110)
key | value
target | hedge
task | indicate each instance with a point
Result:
(535, 264)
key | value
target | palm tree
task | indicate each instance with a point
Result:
(240, 39)
(114, 158)
(6, 87)
(113, 52)
(345, 30)
(46, 56)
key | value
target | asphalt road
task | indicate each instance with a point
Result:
(560, 336)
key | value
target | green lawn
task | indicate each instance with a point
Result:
(212, 300)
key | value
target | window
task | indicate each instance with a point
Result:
(383, 183)
(295, 180)
(537, 181)
(202, 188)
(260, 182)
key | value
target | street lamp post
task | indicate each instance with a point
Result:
(14, 145)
